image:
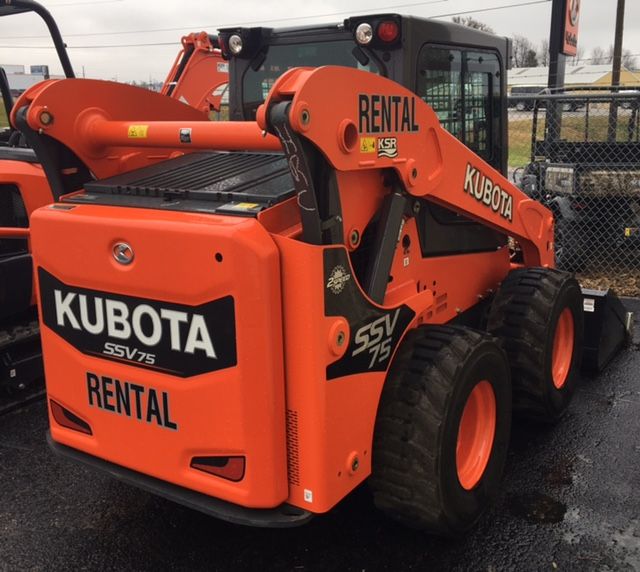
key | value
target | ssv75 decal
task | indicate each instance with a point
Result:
(171, 338)
(375, 331)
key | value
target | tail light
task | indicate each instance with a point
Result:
(388, 31)
(68, 419)
(230, 468)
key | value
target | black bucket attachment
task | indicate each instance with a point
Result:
(607, 328)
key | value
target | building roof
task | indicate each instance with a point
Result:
(21, 82)
(574, 75)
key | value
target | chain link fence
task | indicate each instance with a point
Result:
(578, 153)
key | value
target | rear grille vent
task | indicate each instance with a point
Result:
(293, 459)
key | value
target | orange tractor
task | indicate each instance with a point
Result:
(253, 317)
(23, 189)
(198, 78)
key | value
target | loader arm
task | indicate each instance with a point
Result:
(372, 124)
(199, 75)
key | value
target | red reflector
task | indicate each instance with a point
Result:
(67, 419)
(230, 468)
(388, 31)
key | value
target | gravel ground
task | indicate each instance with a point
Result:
(623, 283)
(569, 501)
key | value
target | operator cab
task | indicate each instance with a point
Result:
(458, 71)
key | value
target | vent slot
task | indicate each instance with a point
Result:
(293, 453)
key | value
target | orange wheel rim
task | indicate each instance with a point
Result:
(562, 349)
(476, 433)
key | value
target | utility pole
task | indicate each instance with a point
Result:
(615, 76)
(557, 61)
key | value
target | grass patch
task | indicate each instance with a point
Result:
(4, 122)
(574, 128)
(519, 143)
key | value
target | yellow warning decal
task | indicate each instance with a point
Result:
(138, 131)
(244, 207)
(367, 144)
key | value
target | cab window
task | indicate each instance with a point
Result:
(463, 88)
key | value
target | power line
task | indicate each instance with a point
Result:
(200, 26)
(13, 47)
(294, 18)
(92, 2)
(492, 9)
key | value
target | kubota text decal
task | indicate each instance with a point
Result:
(171, 338)
(490, 194)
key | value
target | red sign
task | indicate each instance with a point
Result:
(571, 21)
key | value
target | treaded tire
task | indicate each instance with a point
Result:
(414, 478)
(524, 315)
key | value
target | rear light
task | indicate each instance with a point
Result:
(69, 420)
(230, 468)
(388, 31)
(364, 34)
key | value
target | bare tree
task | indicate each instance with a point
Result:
(473, 23)
(524, 53)
(543, 53)
(629, 60)
(575, 60)
(601, 56)
(598, 56)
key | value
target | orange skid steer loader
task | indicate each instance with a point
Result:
(198, 78)
(23, 189)
(253, 317)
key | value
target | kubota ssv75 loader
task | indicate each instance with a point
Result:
(252, 318)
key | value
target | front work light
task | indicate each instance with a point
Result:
(364, 34)
(235, 44)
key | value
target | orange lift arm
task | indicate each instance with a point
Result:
(370, 124)
(374, 123)
(199, 76)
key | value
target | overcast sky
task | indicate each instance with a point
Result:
(106, 23)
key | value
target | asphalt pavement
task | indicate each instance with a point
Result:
(570, 501)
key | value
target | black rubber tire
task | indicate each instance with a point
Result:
(523, 316)
(414, 477)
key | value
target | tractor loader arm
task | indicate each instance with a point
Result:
(370, 124)
(199, 76)
(374, 123)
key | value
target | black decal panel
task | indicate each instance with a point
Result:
(162, 336)
(375, 333)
